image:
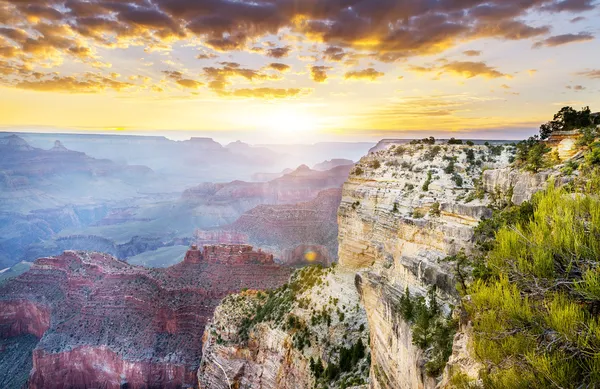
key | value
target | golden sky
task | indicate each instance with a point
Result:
(297, 69)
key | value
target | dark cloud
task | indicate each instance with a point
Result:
(319, 73)
(559, 40)
(472, 53)
(365, 74)
(386, 30)
(280, 67)
(279, 52)
(334, 54)
(571, 6)
(578, 19)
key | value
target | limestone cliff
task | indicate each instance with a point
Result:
(404, 209)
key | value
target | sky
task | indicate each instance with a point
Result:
(297, 70)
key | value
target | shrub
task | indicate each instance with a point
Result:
(427, 182)
(454, 141)
(535, 314)
(449, 169)
(470, 143)
(358, 171)
(431, 329)
(435, 209)
(457, 178)
(375, 164)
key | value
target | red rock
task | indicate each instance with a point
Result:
(104, 323)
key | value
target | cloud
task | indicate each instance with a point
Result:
(206, 56)
(570, 6)
(592, 73)
(266, 93)
(279, 52)
(365, 74)
(334, 54)
(577, 19)
(472, 53)
(280, 67)
(52, 32)
(88, 83)
(319, 73)
(191, 84)
(470, 69)
(559, 40)
(576, 88)
(467, 69)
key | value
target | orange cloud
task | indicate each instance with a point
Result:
(365, 74)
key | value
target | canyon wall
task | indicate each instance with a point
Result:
(104, 323)
(404, 209)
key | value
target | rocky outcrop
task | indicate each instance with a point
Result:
(316, 316)
(404, 209)
(516, 185)
(105, 323)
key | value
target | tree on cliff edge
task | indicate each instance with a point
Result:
(568, 119)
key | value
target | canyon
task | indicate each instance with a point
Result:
(404, 209)
(68, 200)
(100, 322)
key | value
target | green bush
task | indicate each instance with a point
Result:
(427, 182)
(536, 313)
(431, 329)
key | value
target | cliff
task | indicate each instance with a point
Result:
(104, 323)
(404, 209)
(311, 333)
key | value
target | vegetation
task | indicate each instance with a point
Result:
(535, 302)
(432, 331)
(454, 141)
(533, 154)
(375, 164)
(435, 209)
(449, 169)
(432, 153)
(424, 141)
(278, 302)
(425, 186)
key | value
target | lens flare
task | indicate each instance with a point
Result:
(310, 256)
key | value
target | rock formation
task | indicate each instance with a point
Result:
(268, 341)
(403, 210)
(104, 323)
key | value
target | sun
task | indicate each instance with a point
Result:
(290, 120)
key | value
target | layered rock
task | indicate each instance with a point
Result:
(295, 233)
(105, 323)
(403, 210)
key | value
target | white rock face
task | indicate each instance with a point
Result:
(270, 359)
(395, 226)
